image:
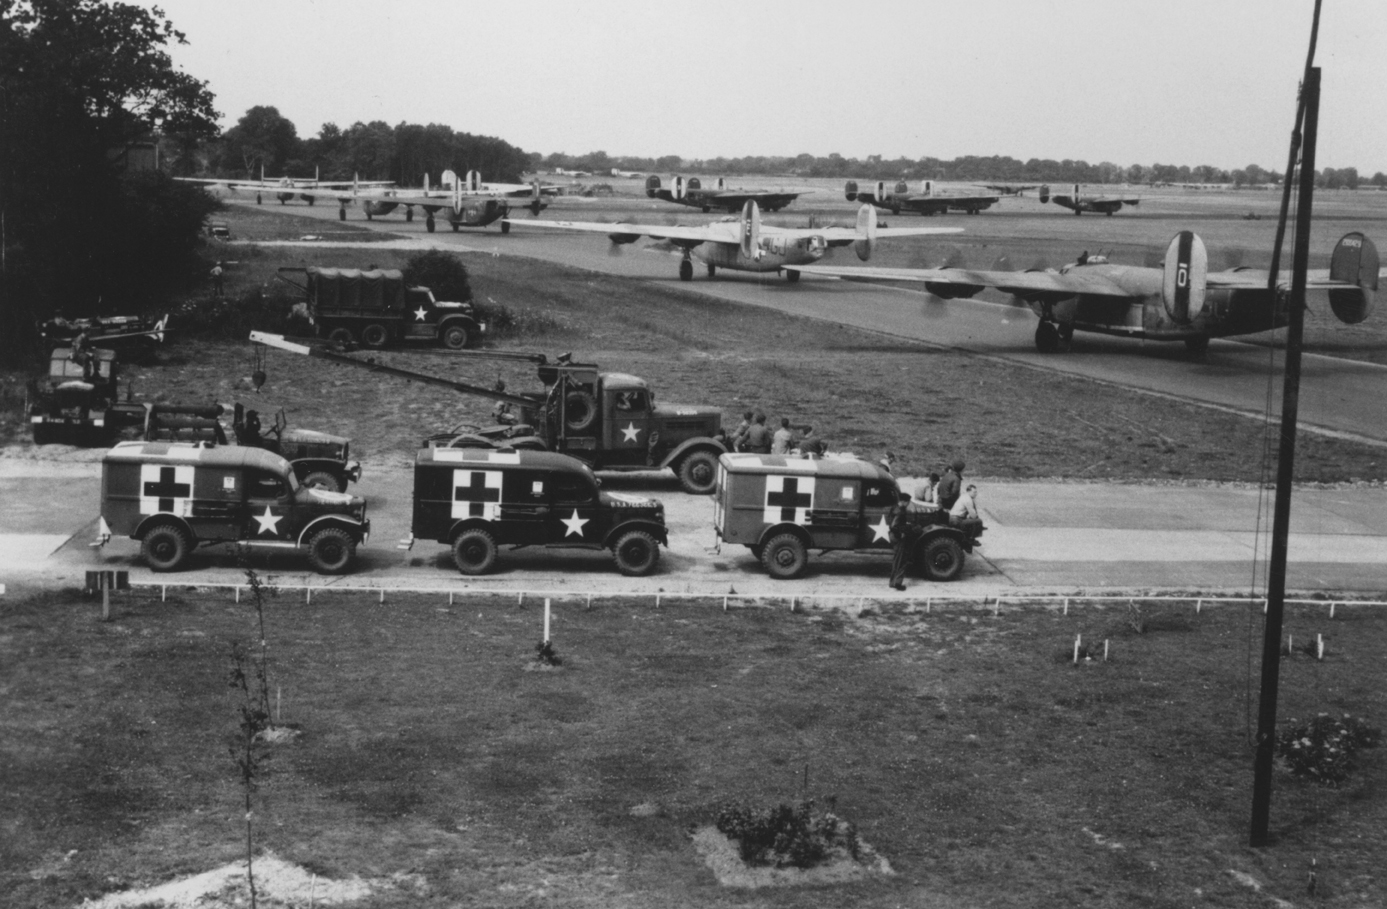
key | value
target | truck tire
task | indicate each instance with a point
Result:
(322, 479)
(636, 553)
(474, 551)
(785, 557)
(698, 472)
(341, 335)
(375, 335)
(331, 550)
(942, 559)
(580, 410)
(165, 547)
(454, 336)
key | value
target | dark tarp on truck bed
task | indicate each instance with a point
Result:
(339, 289)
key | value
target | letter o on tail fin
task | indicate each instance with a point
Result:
(1354, 261)
(850, 190)
(676, 187)
(866, 233)
(881, 191)
(1185, 278)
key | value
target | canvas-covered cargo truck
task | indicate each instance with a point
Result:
(781, 506)
(375, 308)
(476, 500)
(176, 496)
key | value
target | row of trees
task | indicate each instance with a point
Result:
(969, 168)
(375, 151)
(82, 82)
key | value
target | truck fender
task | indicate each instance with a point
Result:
(776, 530)
(468, 524)
(163, 518)
(359, 528)
(689, 445)
(659, 531)
(946, 530)
(468, 322)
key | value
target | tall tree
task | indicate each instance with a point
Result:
(80, 81)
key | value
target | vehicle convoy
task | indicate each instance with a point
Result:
(476, 500)
(375, 308)
(780, 507)
(607, 420)
(176, 496)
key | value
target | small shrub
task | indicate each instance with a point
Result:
(545, 653)
(786, 835)
(1324, 749)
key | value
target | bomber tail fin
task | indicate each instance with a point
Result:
(1185, 278)
(1045, 193)
(866, 233)
(474, 181)
(652, 186)
(751, 230)
(850, 190)
(1355, 261)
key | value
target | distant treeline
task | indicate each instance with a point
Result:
(967, 169)
(374, 151)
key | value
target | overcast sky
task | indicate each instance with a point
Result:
(1127, 81)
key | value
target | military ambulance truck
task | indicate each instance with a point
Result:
(780, 507)
(174, 497)
(476, 500)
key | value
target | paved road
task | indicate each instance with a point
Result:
(1337, 395)
(1041, 537)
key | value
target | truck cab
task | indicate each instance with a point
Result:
(782, 506)
(174, 497)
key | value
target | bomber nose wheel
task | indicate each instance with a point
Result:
(1047, 337)
(685, 270)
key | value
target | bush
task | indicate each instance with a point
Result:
(235, 318)
(786, 836)
(1324, 749)
(441, 272)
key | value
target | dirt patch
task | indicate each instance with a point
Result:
(722, 857)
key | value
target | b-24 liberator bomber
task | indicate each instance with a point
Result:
(1080, 203)
(691, 191)
(745, 244)
(1181, 301)
(926, 202)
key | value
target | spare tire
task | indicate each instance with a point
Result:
(580, 410)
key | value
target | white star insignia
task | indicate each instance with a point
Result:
(630, 432)
(269, 521)
(420, 313)
(881, 531)
(574, 524)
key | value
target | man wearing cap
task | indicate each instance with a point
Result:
(951, 484)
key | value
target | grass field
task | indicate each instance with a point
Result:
(984, 767)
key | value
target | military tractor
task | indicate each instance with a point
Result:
(608, 420)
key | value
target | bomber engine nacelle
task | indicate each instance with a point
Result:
(1185, 278)
(720, 184)
(1045, 193)
(850, 190)
(866, 233)
(928, 187)
(652, 186)
(622, 239)
(1354, 260)
(751, 230)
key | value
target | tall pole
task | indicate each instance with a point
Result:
(1281, 519)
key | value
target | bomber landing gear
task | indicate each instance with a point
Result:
(456, 225)
(685, 269)
(712, 270)
(429, 224)
(791, 276)
(409, 213)
(505, 227)
(342, 213)
(1066, 332)
(1047, 337)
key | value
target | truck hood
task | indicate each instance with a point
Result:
(687, 410)
(325, 501)
(312, 437)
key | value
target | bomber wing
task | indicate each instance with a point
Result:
(1021, 283)
(717, 232)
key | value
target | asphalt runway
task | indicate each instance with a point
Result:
(1338, 395)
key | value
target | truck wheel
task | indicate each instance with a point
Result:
(785, 557)
(474, 551)
(321, 479)
(375, 335)
(698, 473)
(165, 547)
(331, 550)
(454, 337)
(341, 335)
(942, 559)
(636, 553)
(580, 411)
